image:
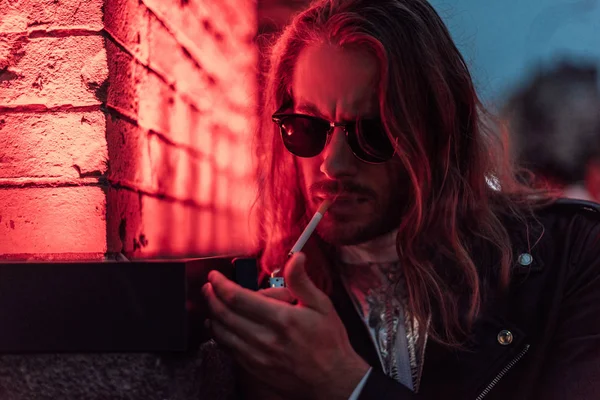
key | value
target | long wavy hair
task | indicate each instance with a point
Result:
(461, 180)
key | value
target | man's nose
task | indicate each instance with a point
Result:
(338, 160)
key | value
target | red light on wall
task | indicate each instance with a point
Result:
(155, 103)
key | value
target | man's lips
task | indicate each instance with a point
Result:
(343, 199)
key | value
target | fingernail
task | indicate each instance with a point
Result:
(211, 275)
(205, 288)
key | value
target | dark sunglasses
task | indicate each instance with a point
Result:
(306, 136)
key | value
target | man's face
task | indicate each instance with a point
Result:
(341, 85)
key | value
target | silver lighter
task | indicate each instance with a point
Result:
(276, 281)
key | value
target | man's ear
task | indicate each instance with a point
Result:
(592, 178)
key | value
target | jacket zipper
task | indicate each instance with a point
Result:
(503, 372)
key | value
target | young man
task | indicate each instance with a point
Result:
(555, 124)
(434, 274)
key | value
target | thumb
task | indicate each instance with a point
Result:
(301, 286)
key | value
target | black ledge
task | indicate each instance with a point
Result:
(109, 307)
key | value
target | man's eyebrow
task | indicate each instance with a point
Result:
(309, 108)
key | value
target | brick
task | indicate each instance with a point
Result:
(94, 74)
(180, 230)
(169, 111)
(221, 196)
(236, 21)
(223, 150)
(20, 15)
(191, 127)
(164, 110)
(11, 51)
(213, 82)
(242, 164)
(123, 73)
(45, 257)
(178, 16)
(170, 170)
(148, 163)
(144, 96)
(242, 194)
(233, 194)
(176, 172)
(175, 229)
(128, 152)
(185, 188)
(178, 68)
(52, 220)
(220, 45)
(206, 182)
(156, 102)
(127, 21)
(52, 144)
(50, 72)
(124, 222)
(234, 18)
(233, 123)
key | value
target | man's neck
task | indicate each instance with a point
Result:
(379, 250)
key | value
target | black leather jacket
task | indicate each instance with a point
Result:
(548, 322)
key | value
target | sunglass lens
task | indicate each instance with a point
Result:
(369, 141)
(302, 136)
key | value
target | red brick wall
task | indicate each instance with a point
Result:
(182, 101)
(127, 131)
(52, 131)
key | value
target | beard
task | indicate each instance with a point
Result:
(344, 230)
(366, 215)
(360, 213)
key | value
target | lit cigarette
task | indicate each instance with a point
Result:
(276, 281)
(310, 228)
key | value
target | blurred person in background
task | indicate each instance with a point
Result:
(554, 121)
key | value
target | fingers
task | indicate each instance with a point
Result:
(250, 332)
(244, 352)
(250, 304)
(281, 294)
(302, 287)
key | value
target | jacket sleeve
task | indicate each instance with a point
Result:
(572, 367)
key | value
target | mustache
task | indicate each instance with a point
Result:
(338, 188)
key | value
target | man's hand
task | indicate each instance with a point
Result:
(279, 293)
(301, 350)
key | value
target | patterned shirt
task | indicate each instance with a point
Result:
(378, 291)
